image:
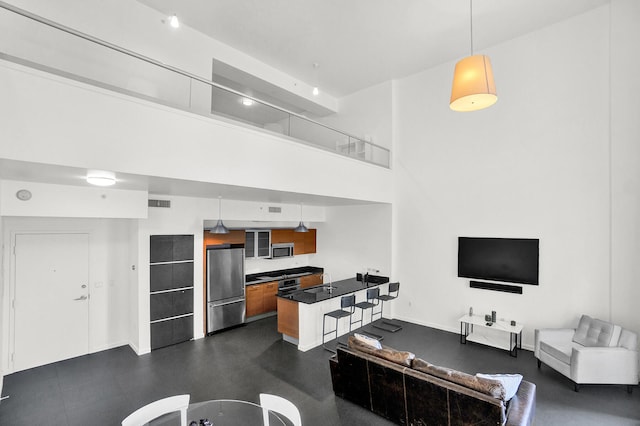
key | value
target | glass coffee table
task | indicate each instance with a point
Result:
(223, 412)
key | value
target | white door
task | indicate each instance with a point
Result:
(51, 298)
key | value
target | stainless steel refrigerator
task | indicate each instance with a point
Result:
(225, 287)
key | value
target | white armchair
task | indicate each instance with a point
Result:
(597, 352)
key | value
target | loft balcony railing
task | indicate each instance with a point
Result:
(37, 42)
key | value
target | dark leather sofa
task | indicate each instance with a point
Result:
(410, 397)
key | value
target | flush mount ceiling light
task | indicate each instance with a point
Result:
(301, 227)
(219, 228)
(247, 101)
(174, 22)
(101, 178)
(473, 87)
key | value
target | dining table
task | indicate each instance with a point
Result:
(223, 412)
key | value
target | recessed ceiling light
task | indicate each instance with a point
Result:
(101, 178)
(247, 101)
(173, 21)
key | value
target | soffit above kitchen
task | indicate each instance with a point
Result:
(361, 43)
(75, 176)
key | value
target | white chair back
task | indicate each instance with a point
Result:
(279, 405)
(144, 415)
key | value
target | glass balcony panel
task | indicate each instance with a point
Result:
(47, 46)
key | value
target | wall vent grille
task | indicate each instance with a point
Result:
(275, 209)
(160, 203)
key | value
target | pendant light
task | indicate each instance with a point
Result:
(219, 228)
(473, 87)
(301, 227)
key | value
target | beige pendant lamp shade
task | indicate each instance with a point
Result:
(473, 87)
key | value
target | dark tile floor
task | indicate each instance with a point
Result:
(103, 388)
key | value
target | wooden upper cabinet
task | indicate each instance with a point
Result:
(280, 236)
(310, 241)
(304, 242)
(233, 237)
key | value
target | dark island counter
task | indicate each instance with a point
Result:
(328, 291)
(301, 313)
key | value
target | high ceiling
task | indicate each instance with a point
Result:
(359, 43)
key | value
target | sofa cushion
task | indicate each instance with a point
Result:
(399, 357)
(510, 382)
(368, 340)
(489, 387)
(561, 352)
(595, 332)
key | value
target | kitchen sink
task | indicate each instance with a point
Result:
(315, 290)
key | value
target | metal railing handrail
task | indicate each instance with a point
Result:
(171, 68)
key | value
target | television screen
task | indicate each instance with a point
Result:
(512, 260)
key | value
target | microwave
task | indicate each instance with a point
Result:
(281, 250)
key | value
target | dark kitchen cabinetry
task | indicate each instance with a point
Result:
(171, 289)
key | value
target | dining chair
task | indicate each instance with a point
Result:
(281, 406)
(144, 415)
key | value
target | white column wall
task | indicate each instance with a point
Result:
(534, 165)
(108, 278)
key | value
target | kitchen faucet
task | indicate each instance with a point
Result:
(329, 276)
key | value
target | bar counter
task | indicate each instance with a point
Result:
(300, 313)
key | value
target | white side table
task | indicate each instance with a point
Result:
(468, 322)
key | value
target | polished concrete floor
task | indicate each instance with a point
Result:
(103, 388)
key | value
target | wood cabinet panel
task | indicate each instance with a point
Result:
(233, 237)
(304, 242)
(280, 236)
(254, 300)
(288, 317)
(310, 280)
(270, 301)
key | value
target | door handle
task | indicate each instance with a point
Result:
(81, 298)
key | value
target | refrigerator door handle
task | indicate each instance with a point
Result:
(215, 305)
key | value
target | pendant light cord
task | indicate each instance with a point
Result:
(471, 24)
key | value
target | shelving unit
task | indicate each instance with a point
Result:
(171, 289)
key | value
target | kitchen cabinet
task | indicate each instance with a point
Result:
(236, 236)
(254, 295)
(261, 298)
(288, 317)
(171, 289)
(304, 242)
(257, 243)
(310, 280)
(280, 236)
(269, 296)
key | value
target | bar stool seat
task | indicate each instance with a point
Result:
(394, 291)
(373, 295)
(349, 302)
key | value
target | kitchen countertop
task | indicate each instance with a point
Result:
(264, 277)
(343, 287)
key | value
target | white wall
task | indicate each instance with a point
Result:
(625, 153)
(366, 114)
(355, 238)
(108, 277)
(71, 201)
(534, 165)
(84, 126)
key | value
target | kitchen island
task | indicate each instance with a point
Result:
(300, 313)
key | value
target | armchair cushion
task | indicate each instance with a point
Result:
(560, 351)
(595, 332)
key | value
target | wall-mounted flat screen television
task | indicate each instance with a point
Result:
(513, 260)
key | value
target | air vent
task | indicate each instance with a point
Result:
(160, 203)
(275, 209)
